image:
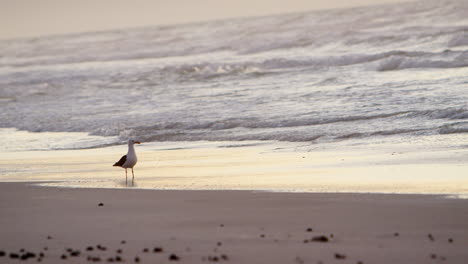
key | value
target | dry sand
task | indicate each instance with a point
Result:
(230, 226)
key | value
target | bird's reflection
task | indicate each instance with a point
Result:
(128, 183)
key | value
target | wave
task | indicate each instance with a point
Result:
(332, 32)
(458, 40)
(460, 127)
(254, 123)
(385, 61)
(399, 62)
(447, 113)
(390, 132)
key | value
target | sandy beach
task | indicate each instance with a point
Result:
(229, 226)
(334, 134)
(236, 203)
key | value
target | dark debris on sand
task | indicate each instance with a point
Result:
(100, 247)
(340, 256)
(28, 255)
(222, 257)
(320, 239)
(430, 237)
(174, 257)
(157, 250)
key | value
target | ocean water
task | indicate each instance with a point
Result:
(389, 73)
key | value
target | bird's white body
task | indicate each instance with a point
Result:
(128, 161)
(131, 157)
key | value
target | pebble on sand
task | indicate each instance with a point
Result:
(14, 256)
(320, 239)
(157, 250)
(340, 256)
(100, 204)
(430, 237)
(174, 257)
(309, 229)
(450, 240)
(100, 247)
(137, 259)
(2, 253)
(94, 259)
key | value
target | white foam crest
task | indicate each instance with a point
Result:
(399, 62)
(385, 61)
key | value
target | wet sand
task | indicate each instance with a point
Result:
(228, 226)
(277, 166)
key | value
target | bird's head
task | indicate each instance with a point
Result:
(131, 142)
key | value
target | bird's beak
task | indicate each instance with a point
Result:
(137, 142)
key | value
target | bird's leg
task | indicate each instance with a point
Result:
(133, 176)
(125, 176)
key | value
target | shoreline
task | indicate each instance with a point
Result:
(274, 167)
(244, 226)
(51, 184)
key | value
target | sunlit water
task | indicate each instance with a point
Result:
(323, 80)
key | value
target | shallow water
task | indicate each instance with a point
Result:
(368, 99)
(260, 166)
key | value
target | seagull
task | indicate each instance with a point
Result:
(129, 160)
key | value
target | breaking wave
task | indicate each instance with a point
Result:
(322, 76)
